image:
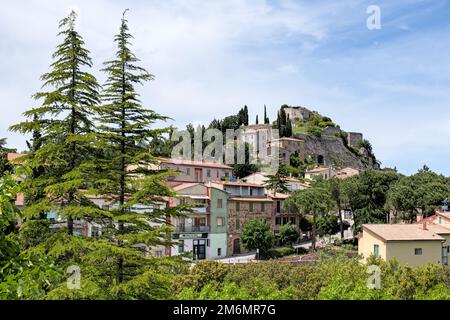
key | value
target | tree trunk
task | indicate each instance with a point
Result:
(123, 150)
(341, 222)
(70, 225)
(73, 145)
(313, 242)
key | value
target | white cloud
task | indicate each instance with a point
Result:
(212, 57)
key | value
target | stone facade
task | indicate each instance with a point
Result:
(240, 211)
(331, 131)
(297, 113)
(279, 215)
(257, 137)
(287, 147)
(196, 171)
(354, 138)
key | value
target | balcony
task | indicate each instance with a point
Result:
(183, 228)
(204, 209)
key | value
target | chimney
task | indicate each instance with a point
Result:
(419, 217)
(424, 224)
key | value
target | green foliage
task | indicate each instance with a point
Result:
(277, 182)
(276, 253)
(201, 274)
(244, 169)
(314, 201)
(328, 224)
(266, 118)
(288, 233)
(366, 195)
(63, 122)
(257, 235)
(422, 192)
(315, 131)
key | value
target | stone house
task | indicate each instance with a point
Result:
(286, 147)
(326, 173)
(246, 201)
(196, 171)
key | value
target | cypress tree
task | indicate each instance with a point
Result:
(245, 115)
(256, 120)
(61, 128)
(266, 118)
(288, 127)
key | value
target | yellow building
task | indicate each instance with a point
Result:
(412, 244)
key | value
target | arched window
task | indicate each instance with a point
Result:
(320, 159)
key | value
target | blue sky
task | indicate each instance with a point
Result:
(212, 57)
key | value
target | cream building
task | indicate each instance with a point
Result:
(412, 244)
(326, 173)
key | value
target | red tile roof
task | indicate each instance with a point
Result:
(12, 156)
(239, 183)
(195, 163)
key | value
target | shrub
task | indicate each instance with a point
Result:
(200, 274)
(315, 131)
(280, 252)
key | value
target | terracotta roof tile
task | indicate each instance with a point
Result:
(402, 232)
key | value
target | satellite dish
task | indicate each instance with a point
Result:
(189, 220)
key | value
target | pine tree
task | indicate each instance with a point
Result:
(4, 163)
(61, 129)
(277, 182)
(126, 174)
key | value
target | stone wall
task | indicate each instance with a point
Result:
(354, 138)
(332, 149)
(297, 113)
(244, 215)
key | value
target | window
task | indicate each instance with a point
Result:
(418, 251)
(278, 206)
(440, 220)
(219, 203)
(285, 220)
(219, 252)
(105, 206)
(158, 254)
(292, 220)
(217, 174)
(226, 174)
(263, 207)
(188, 171)
(238, 224)
(251, 206)
(181, 246)
(208, 173)
(219, 221)
(376, 250)
(278, 221)
(238, 206)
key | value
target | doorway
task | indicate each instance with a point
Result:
(236, 246)
(199, 249)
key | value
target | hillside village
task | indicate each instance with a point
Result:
(222, 204)
(99, 194)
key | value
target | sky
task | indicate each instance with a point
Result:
(210, 58)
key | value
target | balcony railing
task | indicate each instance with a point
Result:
(204, 209)
(192, 228)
